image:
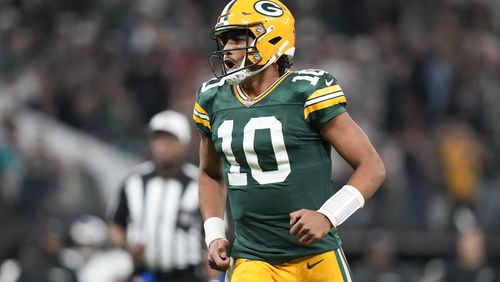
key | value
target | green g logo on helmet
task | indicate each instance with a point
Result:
(268, 8)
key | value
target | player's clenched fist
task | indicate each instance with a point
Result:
(309, 226)
(217, 254)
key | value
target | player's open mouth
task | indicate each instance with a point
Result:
(229, 64)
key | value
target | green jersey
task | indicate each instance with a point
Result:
(275, 161)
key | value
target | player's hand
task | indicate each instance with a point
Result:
(309, 226)
(217, 254)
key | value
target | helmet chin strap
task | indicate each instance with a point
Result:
(237, 77)
(243, 73)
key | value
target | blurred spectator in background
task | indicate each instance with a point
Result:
(380, 260)
(92, 257)
(29, 181)
(36, 186)
(471, 263)
(462, 161)
(157, 216)
(41, 260)
(11, 171)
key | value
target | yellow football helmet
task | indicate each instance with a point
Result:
(270, 29)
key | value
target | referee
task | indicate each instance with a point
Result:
(157, 216)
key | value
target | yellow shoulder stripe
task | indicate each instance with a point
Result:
(322, 105)
(199, 108)
(204, 122)
(323, 91)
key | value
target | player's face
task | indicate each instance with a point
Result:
(235, 43)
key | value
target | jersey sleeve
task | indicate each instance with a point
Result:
(205, 99)
(200, 115)
(325, 102)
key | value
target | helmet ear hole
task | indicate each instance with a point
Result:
(275, 40)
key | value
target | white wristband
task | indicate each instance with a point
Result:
(214, 229)
(342, 204)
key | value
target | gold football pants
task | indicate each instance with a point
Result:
(331, 266)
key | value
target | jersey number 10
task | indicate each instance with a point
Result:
(237, 178)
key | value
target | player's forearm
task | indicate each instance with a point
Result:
(368, 175)
(212, 196)
(212, 192)
(355, 147)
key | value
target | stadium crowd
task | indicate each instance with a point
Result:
(423, 78)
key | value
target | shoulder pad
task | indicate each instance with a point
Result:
(211, 85)
(203, 103)
(314, 78)
(311, 80)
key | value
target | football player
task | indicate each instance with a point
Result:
(266, 138)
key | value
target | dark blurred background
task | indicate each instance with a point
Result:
(80, 79)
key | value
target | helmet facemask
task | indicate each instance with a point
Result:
(249, 64)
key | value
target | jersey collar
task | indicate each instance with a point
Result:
(248, 101)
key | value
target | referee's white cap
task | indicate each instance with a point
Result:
(172, 122)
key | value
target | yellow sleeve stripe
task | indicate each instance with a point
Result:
(201, 116)
(203, 122)
(324, 91)
(323, 105)
(198, 108)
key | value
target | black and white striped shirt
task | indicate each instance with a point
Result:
(163, 214)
